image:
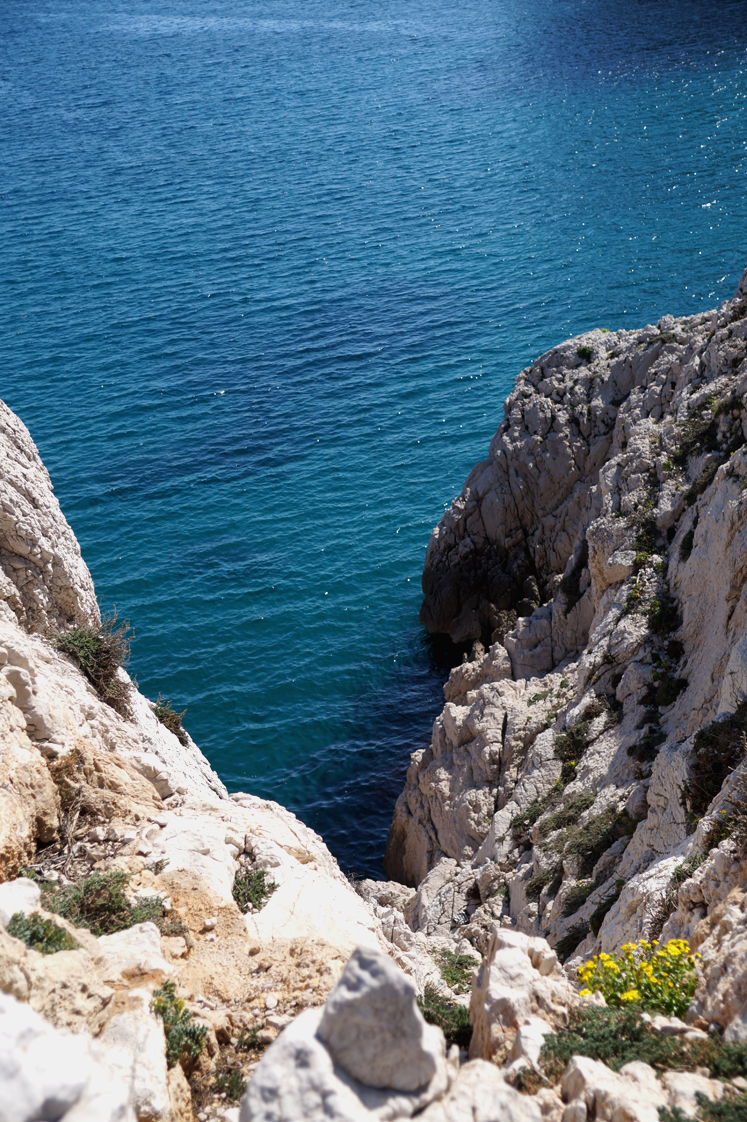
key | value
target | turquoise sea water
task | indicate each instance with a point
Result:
(269, 270)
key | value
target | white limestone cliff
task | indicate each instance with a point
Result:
(605, 537)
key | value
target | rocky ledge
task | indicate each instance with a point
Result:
(169, 951)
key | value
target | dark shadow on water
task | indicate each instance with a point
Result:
(347, 790)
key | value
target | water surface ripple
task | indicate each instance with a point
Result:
(268, 274)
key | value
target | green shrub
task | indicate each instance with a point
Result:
(663, 616)
(717, 749)
(618, 1036)
(585, 352)
(99, 903)
(684, 871)
(252, 889)
(99, 652)
(456, 970)
(551, 876)
(569, 814)
(703, 482)
(732, 1108)
(565, 947)
(569, 747)
(696, 435)
(686, 545)
(451, 1018)
(182, 1036)
(588, 842)
(170, 719)
(647, 748)
(596, 918)
(669, 689)
(522, 823)
(577, 896)
(40, 934)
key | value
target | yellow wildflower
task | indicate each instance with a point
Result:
(630, 995)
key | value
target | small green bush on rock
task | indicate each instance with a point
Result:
(40, 934)
(717, 749)
(100, 903)
(456, 970)
(567, 814)
(170, 719)
(182, 1036)
(99, 652)
(252, 889)
(451, 1018)
(730, 1109)
(596, 919)
(617, 1036)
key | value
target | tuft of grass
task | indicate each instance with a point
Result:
(573, 742)
(230, 1083)
(684, 871)
(697, 434)
(669, 689)
(577, 896)
(252, 889)
(569, 747)
(568, 814)
(99, 903)
(703, 482)
(182, 1036)
(170, 719)
(717, 749)
(646, 750)
(456, 970)
(99, 652)
(451, 1018)
(40, 934)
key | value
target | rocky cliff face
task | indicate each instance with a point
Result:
(594, 751)
(584, 789)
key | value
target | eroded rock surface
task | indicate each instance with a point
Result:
(565, 788)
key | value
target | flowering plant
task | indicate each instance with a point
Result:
(656, 977)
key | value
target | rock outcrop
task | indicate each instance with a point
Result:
(591, 752)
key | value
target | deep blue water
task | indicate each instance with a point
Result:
(269, 271)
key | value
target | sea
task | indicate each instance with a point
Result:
(269, 270)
